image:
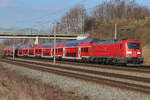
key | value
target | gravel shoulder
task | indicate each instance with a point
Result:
(79, 88)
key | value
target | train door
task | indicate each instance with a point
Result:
(16, 53)
(28, 51)
(51, 52)
(63, 52)
(121, 50)
(79, 52)
(42, 52)
(33, 51)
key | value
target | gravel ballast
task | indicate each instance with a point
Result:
(79, 87)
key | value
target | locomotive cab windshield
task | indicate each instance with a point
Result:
(133, 46)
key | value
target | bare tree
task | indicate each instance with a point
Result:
(73, 21)
(120, 9)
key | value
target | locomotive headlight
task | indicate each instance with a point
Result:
(129, 53)
(139, 53)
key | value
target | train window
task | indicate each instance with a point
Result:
(74, 54)
(46, 54)
(40, 50)
(71, 54)
(120, 46)
(60, 50)
(66, 54)
(84, 49)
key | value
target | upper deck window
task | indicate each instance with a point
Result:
(133, 45)
(84, 49)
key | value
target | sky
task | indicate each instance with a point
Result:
(33, 13)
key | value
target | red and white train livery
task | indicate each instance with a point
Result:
(87, 50)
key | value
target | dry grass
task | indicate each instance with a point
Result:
(17, 87)
(146, 54)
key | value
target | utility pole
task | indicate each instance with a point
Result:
(55, 25)
(115, 31)
(14, 48)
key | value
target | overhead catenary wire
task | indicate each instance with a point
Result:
(52, 13)
(38, 21)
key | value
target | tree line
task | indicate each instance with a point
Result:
(100, 22)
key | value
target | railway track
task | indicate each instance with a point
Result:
(131, 68)
(133, 82)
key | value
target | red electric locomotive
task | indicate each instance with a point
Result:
(120, 51)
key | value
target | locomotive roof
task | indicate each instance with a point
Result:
(108, 42)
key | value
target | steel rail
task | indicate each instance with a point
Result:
(140, 69)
